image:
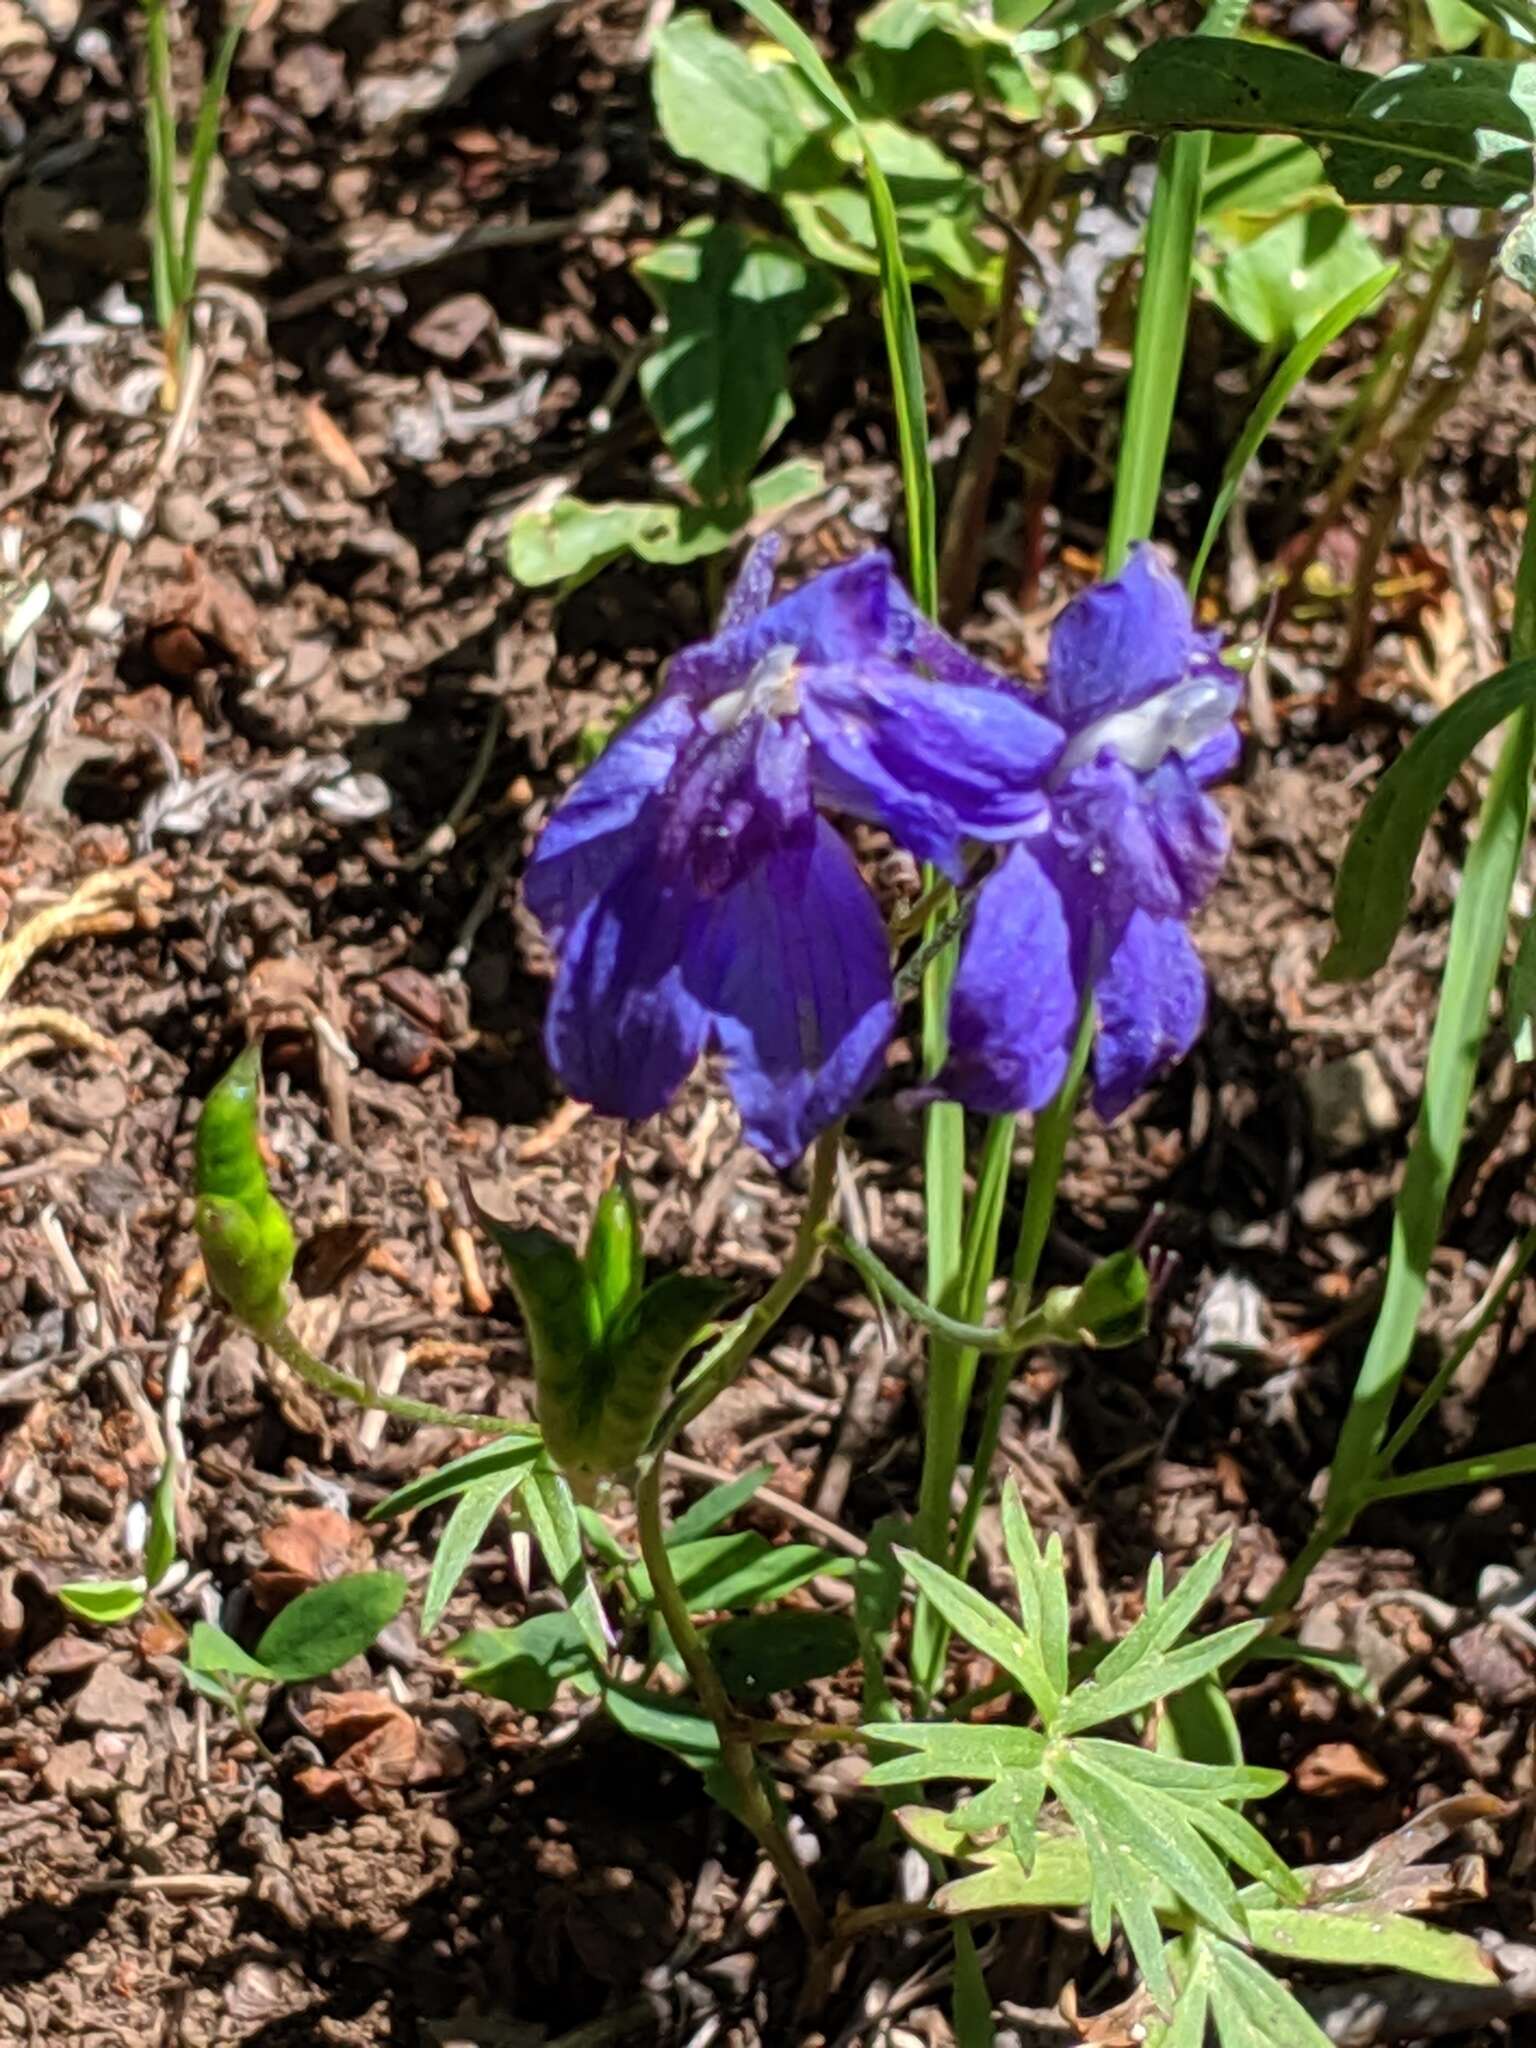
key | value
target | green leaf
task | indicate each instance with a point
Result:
(1255, 178)
(1520, 995)
(690, 1737)
(940, 208)
(1284, 280)
(914, 51)
(330, 1624)
(735, 304)
(718, 108)
(1365, 1938)
(759, 1654)
(1044, 1606)
(524, 1664)
(1252, 2009)
(102, 1601)
(742, 1570)
(486, 1461)
(951, 1749)
(1166, 1616)
(986, 1628)
(160, 1547)
(1376, 875)
(460, 1540)
(876, 1603)
(551, 1510)
(572, 540)
(1153, 1678)
(554, 1296)
(215, 1654)
(716, 1506)
(1299, 364)
(1059, 1878)
(1455, 131)
(1459, 22)
(210, 1687)
(972, 2003)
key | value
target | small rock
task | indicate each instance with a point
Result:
(183, 516)
(1350, 1103)
(1334, 1768)
(72, 1772)
(66, 1657)
(452, 328)
(1229, 1329)
(111, 1699)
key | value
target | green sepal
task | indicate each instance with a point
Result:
(614, 1267)
(1108, 1309)
(242, 1229)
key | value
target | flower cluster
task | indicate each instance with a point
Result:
(697, 895)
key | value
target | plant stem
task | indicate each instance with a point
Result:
(736, 1753)
(1053, 1127)
(1491, 1306)
(732, 1351)
(326, 1380)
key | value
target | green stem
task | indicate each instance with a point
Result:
(1053, 1127)
(326, 1380)
(732, 1351)
(736, 1753)
(1456, 1357)
(1510, 1464)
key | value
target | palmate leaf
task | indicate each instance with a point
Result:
(986, 1628)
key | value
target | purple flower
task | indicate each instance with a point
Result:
(696, 894)
(1103, 879)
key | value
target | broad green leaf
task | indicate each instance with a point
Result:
(1368, 1939)
(215, 1654)
(1300, 363)
(876, 1603)
(1455, 131)
(914, 51)
(554, 1296)
(486, 1461)
(986, 1628)
(1254, 178)
(716, 1506)
(460, 1540)
(695, 1741)
(1282, 282)
(940, 209)
(1458, 23)
(524, 1664)
(718, 108)
(547, 1501)
(735, 304)
(102, 1601)
(759, 1654)
(1376, 874)
(951, 1749)
(210, 1687)
(572, 539)
(330, 1624)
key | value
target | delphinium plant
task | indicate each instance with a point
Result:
(700, 894)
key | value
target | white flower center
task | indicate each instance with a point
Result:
(1178, 721)
(772, 690)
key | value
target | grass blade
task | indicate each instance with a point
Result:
(205, 141)
(1272, 400)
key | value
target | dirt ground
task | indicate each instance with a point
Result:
(302, 730)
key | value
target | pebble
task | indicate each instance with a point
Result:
(110, 1698)
(1350, 1104)
(183, 516)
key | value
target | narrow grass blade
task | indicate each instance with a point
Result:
(205, 142)
(1299, 363)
